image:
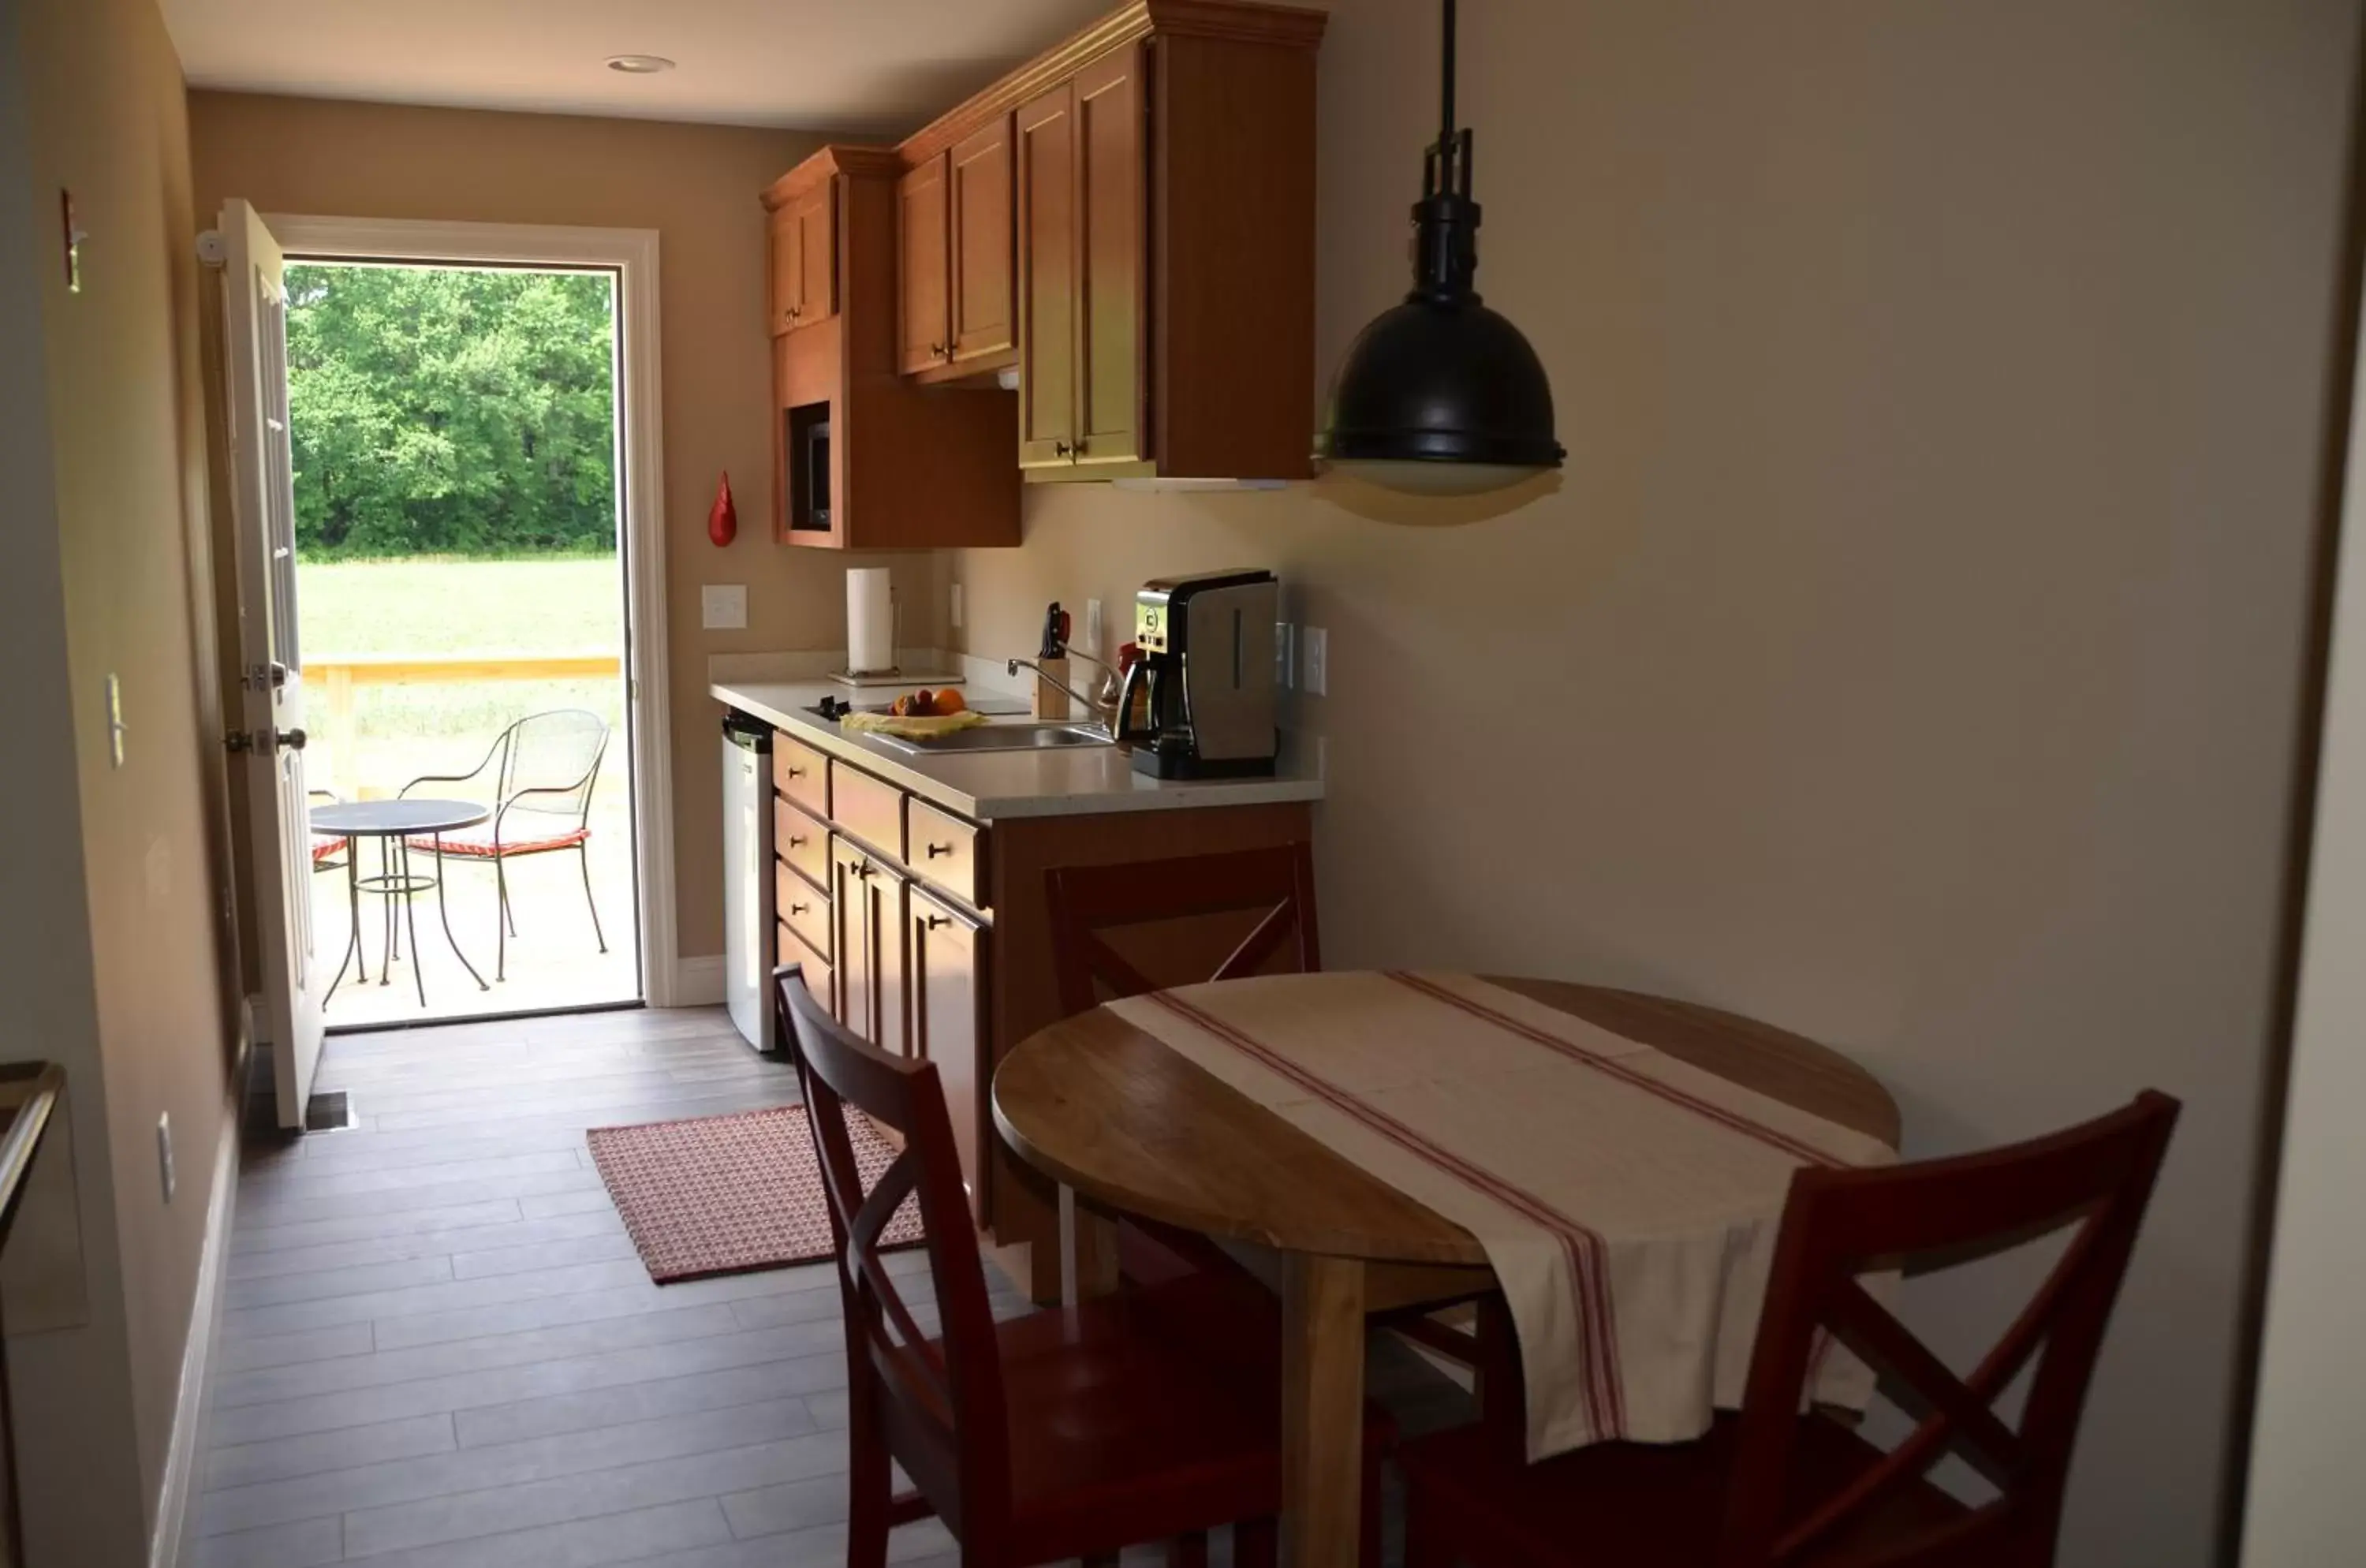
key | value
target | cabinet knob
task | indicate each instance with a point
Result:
(936, 850)
(933, 921)
(1060, 449)
(797, 774)
(797, 844)
(793, 311)
(936, 351)
(799, 909)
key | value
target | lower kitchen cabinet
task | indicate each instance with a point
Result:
(946, 989)
(867, 902)
(930, 935)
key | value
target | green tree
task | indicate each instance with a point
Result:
(445, 411)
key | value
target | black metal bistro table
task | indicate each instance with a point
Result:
(393, 823)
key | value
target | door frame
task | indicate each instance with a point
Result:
(632, 255)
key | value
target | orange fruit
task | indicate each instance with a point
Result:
(951, 702)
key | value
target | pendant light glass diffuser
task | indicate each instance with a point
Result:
(1442, 396)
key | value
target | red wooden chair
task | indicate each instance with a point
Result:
(1067, 1433)
(1276, 886)
(1773, 1488)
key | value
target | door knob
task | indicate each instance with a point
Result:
(291, 739)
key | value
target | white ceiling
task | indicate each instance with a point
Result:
(870, 67)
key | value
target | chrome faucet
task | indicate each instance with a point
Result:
(1102, 705)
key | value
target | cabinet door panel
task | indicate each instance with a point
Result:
(1046, 133)
(867, 945)
(816, 237)
(984, 288)
(947, 988)
(1111, 309)
(788, 258)
(922, 257)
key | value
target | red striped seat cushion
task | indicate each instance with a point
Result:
(323, 849)
(479, 841)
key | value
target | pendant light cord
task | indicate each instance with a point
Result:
(1445, 91)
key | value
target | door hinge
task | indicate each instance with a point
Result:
(238, 740)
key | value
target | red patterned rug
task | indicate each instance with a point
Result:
(732, 1194)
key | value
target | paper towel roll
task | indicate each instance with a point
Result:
(870, 621)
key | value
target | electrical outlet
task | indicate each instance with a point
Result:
(957, 607)
(164, 1155)
(1282, 632)
(1093, 627)
(1315, 662)
(723, 607)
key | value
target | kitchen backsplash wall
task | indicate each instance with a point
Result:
(1944, 389)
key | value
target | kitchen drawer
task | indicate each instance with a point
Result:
(790, 948)
(801, 840)
(868, 809)
(944, 852)
(802, 774)
(802, 909)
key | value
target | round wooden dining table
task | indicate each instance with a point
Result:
(1107, 1109)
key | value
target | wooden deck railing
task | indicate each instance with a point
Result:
(336, 676)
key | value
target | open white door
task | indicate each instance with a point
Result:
(271, 671)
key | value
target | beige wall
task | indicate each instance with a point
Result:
(132, 954)
(697, 185)
(1909, 653)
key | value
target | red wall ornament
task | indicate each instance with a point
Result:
(723, 517)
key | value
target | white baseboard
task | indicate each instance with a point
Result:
(173, 1541)
(697, 982)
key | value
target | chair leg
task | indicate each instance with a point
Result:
(1188, 1550)
(502, 925)
(584, 858)
(1368, 1553)
(501, 877)
(869, 1486)
(1257, 1543)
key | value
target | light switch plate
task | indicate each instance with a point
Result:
(723, 606)
(1315, 662)
(115, 720)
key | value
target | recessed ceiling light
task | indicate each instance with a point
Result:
(640, 64)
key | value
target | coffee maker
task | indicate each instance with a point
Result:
(1206, 673)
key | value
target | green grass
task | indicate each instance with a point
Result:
(571, 604)
(418, 607)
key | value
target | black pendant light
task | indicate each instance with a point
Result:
(1441, 396)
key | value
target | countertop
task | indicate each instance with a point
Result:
(990, 785)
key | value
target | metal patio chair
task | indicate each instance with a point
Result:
(543, 769)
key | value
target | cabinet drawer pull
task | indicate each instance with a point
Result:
(796, 773)
(936, 850)
(799, 909)
(935, 921)
(798, 842)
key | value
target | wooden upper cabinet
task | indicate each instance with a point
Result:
(985, 296)
(804, 259)
(923, 222)
(1111, 386)
(1045, 135)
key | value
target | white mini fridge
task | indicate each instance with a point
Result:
(748, 941)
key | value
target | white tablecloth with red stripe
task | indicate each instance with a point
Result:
(1628, 1201)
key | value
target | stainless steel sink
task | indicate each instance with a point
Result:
(1003, 738)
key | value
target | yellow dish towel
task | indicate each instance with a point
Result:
(912, 729)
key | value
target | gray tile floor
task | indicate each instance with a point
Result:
(440, 1350)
